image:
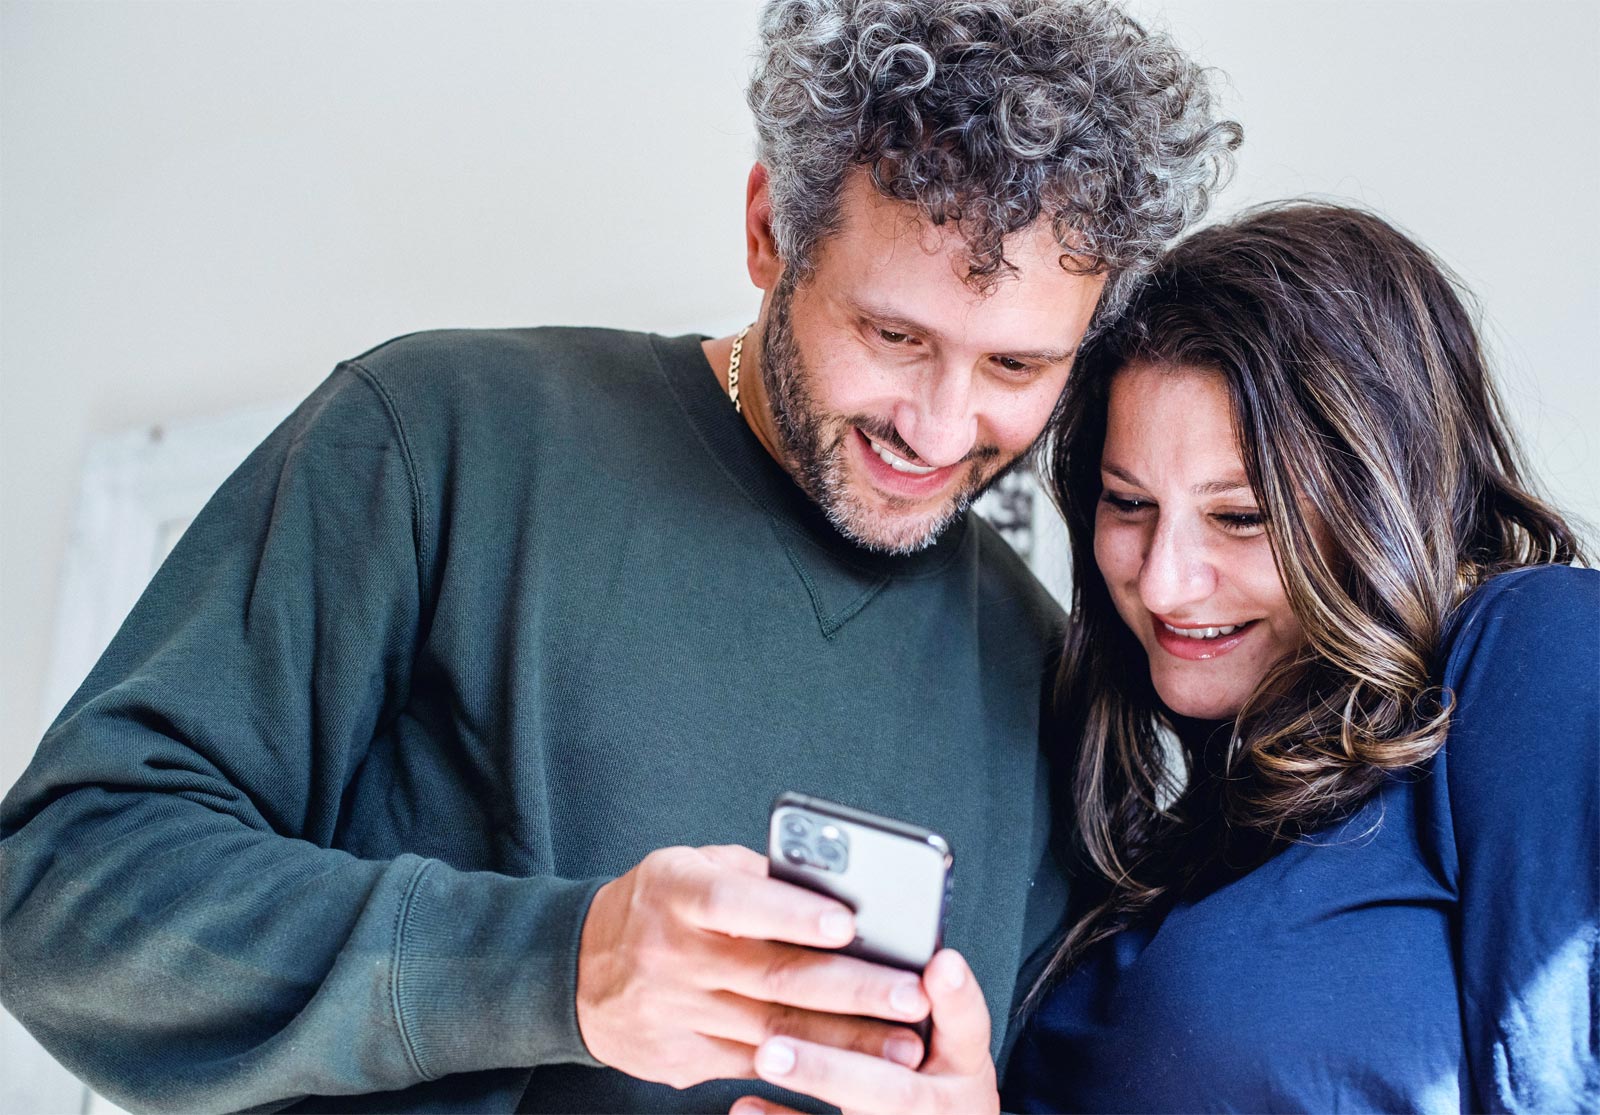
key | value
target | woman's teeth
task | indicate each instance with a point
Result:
(897, 463)
(1203, 632)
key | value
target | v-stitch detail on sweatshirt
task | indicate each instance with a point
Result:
(832, 614)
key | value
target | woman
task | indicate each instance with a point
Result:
(1334, 689)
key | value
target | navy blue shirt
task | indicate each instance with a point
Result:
(1435, 952)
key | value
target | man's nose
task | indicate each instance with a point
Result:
(939, 421)
(1178, 572)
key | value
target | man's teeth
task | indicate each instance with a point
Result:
(897, 463)
(1202, 632)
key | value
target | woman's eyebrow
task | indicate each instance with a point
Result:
(1218, 487)
(1208, 488)
(1121, 474)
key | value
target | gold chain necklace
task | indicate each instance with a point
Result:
(733, 368)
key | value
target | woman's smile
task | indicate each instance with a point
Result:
(1197, 642)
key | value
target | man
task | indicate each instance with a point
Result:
(426, 774)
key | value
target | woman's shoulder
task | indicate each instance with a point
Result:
(1546, 615)
(1539, 587)
(1520, 839)
(1522, 675)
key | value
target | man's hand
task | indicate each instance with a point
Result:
(695, 957)
(958, 1076)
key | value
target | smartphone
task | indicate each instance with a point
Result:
(895, 876)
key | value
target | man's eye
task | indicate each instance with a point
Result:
(894, 338)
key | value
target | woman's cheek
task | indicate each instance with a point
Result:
(1109, 547)
(1118, 550)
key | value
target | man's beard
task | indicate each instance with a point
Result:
(813, 443)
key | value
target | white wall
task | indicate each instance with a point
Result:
(1473, 125)
(206, 205)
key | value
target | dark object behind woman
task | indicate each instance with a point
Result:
(1338, 690)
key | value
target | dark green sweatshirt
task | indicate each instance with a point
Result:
(490, 617)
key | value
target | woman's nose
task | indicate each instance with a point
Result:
(1178, 572)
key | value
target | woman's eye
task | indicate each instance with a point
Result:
(1241, 522)
(1125, 506)
(1011, 364)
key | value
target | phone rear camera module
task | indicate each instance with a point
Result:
(831, 854)
(813, 842)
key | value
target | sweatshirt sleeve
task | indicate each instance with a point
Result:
(1522, 764)
(175, 925)
(1044, 917)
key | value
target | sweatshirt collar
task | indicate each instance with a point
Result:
(751, 468)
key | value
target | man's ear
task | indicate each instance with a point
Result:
(760, 248)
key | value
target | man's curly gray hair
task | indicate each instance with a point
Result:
(991, 114)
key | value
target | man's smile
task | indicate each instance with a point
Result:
(896, 462)
(898, 479)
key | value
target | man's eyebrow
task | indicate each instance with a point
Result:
(1209, 488)
(882, 315)
(1044, 355)
(899, 323)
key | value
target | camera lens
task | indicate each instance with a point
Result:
(795, 852)
(797, 826)
(830, 852)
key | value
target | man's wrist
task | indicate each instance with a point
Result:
(485, 970)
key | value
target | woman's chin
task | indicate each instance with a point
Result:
(1199, 704)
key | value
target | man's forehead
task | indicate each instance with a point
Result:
(881, 223)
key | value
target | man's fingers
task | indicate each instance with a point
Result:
(755, 1105)
(738, 857)
(852, 1081)
(823, 981)
(735, 1018)
(716, 893)
(700, 1058)
(960, 1016)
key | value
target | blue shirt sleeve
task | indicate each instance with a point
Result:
(1522, 767)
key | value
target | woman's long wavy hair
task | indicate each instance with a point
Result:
(1380, 455)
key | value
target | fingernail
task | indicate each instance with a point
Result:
(906, 998)
(746, 1107)
(904, 1051)
(954, 975)
(837, 925)
(775, 1058)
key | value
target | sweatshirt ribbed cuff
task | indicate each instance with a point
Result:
(486, 970)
